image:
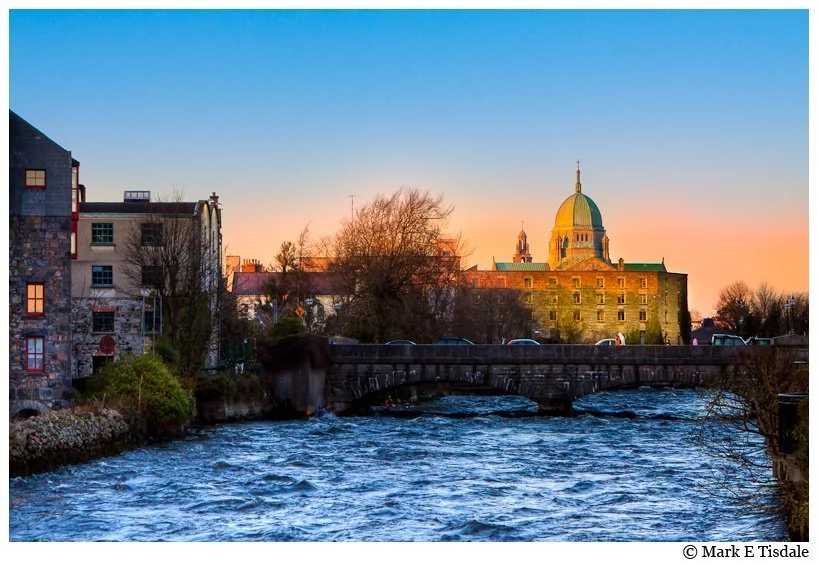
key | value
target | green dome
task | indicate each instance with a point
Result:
(578, 211)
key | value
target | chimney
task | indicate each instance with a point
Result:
(251, 266)
(621, 265)
(214, 197)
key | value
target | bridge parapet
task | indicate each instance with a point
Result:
(546, 354)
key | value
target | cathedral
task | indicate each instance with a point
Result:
(580, 295)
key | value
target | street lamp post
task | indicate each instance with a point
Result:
(309, 302)
(789, 306)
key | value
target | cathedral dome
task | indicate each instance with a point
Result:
(578, 211)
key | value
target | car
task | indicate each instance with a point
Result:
(758, 341)
(608, 341)
(726, 339)
(400, 342)
(452, 341)
(522, 342)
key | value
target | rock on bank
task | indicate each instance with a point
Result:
(45, 442)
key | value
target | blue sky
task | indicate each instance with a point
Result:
(692, 126)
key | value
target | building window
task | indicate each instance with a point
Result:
(552, 281)
(152, 234)
(35, 178)
(576, 282)
(152, 276)
(35, 354)
(35, 299)
(666, 316)
(600, 282)
(529, 299)
(552, 315)
(620, 298)
(577, 298)
(643, 283)
(102, 233)
(527, 282)
(102, 275)
(600, 315)
(600, 298)
(151, 322)
(643, 316)
(643, 299)
(553, 299)
(102, 322)
(577, 316)
(620, 282)
(620, 315)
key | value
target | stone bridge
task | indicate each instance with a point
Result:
(553, 376)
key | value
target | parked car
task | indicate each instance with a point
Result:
(522, 342)
(726, 339)
(758, 341)
(452, 341)
(400, 342)
(609, 341)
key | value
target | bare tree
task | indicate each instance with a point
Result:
(487, 315)
(396, 268)
(733, 305)
(164, 254)
(286, 259)
(742, 406)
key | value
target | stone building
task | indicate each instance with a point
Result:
(116, 309)
(43, 194)
(580, 293)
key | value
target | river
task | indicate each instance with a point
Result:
(625, 469)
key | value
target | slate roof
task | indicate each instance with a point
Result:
(187, 208)
(645, 267)
(252, 284)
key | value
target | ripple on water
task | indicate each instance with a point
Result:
(483, 478)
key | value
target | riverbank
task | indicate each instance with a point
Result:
(68, 437)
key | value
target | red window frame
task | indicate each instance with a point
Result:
(35, 360)
(33, 301)
(36, 186)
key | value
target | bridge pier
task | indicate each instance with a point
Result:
(555, 407)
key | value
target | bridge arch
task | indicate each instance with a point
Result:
(553, 376)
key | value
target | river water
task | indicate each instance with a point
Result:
(625, 469)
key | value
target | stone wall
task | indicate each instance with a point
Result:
(661, 296)
(127, 334)
(40, 252)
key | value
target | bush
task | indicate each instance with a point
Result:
(287, 326)
(147, 384)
